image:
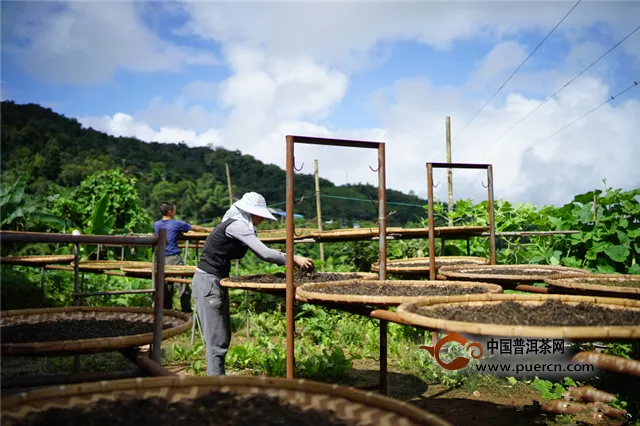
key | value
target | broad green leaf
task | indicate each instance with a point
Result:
(599, 246)
(623, 237)
(617, 253)
(635, 269)
(606, 269)
(554, 261)
(537, 259)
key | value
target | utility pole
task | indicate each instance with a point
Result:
(449, 173)
(319, 209)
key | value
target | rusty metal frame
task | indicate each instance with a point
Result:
(291, 140)
(492, 233)
(153, 364)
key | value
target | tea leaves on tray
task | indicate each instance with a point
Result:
(215, 408)
(548, 314)
(53, 331)
(300, 277)
(367, 289)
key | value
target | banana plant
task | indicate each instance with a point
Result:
(15, 211)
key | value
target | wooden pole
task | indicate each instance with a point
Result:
(226, 166)
(319, 209)
(595, 219)
(449, 173)
(246, 292)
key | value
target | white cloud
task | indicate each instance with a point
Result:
(87, 42)
(291, 64)
(345, 33)
(201, 90)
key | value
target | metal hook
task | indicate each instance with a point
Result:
(436, 185)
(295, 233)
(374, 170)
(393, 212)
(298, 202)
(374, 202)
(299, 169)
(482, 182)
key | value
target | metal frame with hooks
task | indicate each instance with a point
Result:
(382, 225)
(430, 186)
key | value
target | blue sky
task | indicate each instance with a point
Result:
(243, 77)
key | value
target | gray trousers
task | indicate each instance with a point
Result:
(184, 290)
(212, 306)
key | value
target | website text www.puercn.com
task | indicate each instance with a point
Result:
(534, 368)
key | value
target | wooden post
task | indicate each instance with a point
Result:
(226, 166)
(319, 210)
(595, 219)
(449, 173)
(246, 292)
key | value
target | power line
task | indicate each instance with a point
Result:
(567, 84)
(517, 69)
(635, 84)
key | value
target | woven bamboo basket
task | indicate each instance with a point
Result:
(109, 265)
(309, 291)
(169, 271)
(367, 233)
(248, 285)
(443, 231)
(405, 267)
(195, 236)
(280, 235)
(179, 323)
(37, 260)
(406, 312)
(366, 408)
(498, 274)
(583, 284)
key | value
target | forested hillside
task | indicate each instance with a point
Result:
(57, 154)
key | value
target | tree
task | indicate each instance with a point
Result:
(110, 199)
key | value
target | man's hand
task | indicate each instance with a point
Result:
(304, 262)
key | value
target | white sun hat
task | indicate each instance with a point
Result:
(254, 203)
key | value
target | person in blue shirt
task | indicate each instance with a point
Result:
(175, 228)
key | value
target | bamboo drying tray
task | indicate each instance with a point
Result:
(398, 266)
(280, 235)
(497, 330)
(62, 259)
(307, 291)
(109, 265)
(346, 403)
(483, 273)
(179, 322)
(169, 271)
(248, 285)
(582, 284)
(399, 233)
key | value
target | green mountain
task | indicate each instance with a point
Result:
(58, 153)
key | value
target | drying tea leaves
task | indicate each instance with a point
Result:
(548, 314)
(53, 331)
(366, 289)
(630, 283)
(300, 277)
(510, 271)
(216, 408)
